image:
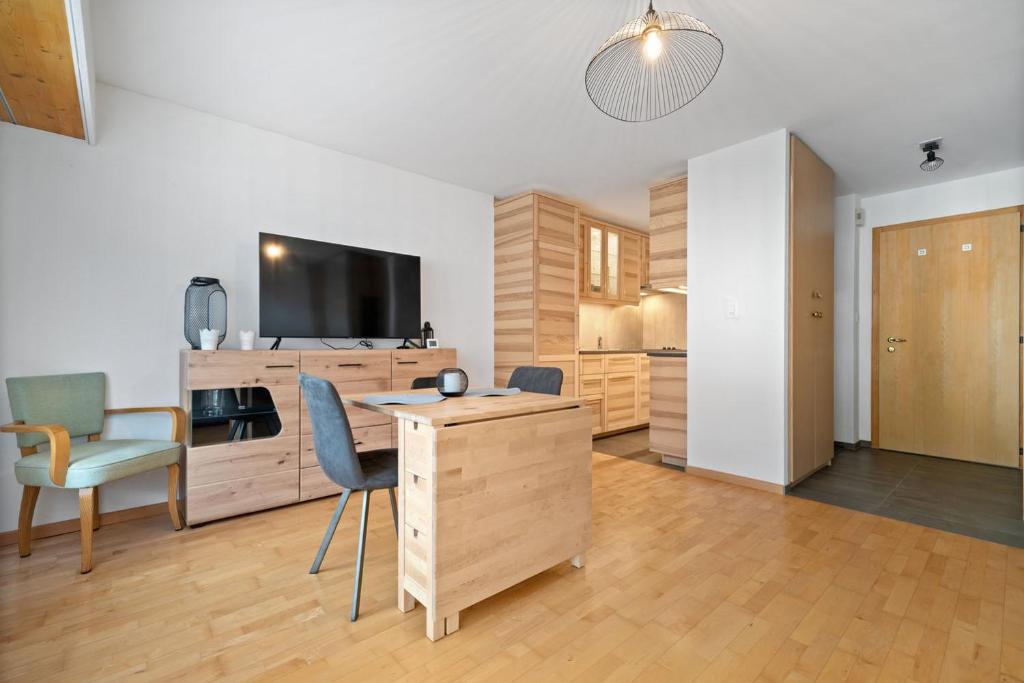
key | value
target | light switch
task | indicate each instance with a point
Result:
(966, 246)
(732, 307)
(922, 252)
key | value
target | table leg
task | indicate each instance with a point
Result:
(439, 627)
(406, 603)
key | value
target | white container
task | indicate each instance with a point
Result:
(209, 339)
(247, 339)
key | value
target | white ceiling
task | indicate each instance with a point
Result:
(489, 94)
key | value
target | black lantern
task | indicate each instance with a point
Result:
(452, 382)
(206, 307)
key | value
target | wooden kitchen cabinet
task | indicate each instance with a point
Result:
(668, 234)
(616, 385)
(536, 269)
(612, 263)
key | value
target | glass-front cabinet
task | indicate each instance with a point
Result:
(611, 262)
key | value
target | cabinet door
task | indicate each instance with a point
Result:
(643, 392)
(629, 246)
(595, 261)
(596, 405)
(645, 261)
(620, 400)
(613, 265)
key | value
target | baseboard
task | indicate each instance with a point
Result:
(737, 479)
(68, 526)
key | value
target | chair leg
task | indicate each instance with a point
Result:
(29, 496)
(329, 534)
(357, 588)
(394, 508)
(85, 506)
(172, 495)
(95, 508)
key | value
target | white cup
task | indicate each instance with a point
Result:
(247, 339)
(208, 339)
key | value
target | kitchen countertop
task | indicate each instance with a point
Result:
(649, 352)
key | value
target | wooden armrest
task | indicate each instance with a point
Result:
(60, 446)
(177, 417)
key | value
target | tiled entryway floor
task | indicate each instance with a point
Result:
(983, 501)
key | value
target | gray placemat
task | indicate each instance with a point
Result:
(493, 391)
(402, 399)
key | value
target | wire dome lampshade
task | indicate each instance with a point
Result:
(653, 65)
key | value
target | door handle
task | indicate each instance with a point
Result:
(895, 340)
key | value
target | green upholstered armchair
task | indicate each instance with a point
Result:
(54, 409)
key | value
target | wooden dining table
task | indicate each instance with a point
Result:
(492, 490)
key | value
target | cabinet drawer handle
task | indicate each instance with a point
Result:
(407, 362)
(350, 365)
(277, 367)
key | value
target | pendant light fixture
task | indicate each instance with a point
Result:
(653, 65)
(931, 161)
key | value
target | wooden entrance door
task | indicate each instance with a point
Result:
(947, 326)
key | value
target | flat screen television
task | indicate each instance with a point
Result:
(318, 289)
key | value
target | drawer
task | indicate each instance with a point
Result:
(357, 417)
(417, 558)
(239, 459)
(591, 364)
(236, 497)
(366, 439)
(225, 369)
(592, 385)
(408, 364)
(346, 366)
(313, 483)
(596, 405)
(620, 362)
(418, 493)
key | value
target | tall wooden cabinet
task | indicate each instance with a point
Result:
(535, 286)
(668, 234)
(811, 305)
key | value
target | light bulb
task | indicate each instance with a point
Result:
(652, 44)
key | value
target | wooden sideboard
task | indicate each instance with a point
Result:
(238, 476)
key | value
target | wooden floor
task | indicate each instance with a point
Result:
(688, 579)
(967, 498)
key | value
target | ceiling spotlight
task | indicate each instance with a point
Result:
(931, 162)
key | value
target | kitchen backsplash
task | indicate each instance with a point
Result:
(659, 321)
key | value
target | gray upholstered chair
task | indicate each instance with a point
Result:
(537, 380)
(54, 409)
(336, 452)
(424, 383)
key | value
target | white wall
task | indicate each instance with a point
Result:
(978, 193)
(737, 247)
(845, 379)
(97, 245)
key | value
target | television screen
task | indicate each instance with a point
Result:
(318, 289)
